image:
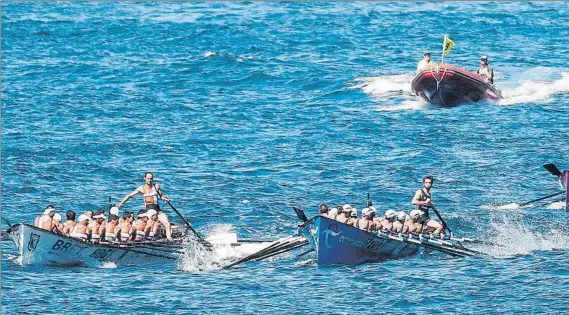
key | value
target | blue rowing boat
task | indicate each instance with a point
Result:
(339, 243)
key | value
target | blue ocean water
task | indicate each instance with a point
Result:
(244, 109)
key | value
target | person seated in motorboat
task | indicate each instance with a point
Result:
(94, 228)
(126, 229)
(56, 226)
(140, 224)
(399, 225)
(111, 229)
(45, 221)
(323, 210)
(422, 65)
(366, 222)
(69, 223)
(80, 229)
(485, 71)
(152, 225)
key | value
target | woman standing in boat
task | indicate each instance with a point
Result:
(150, 194)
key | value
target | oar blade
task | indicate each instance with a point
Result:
(300, 214)
(551, 168)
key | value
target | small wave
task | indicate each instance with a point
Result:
(509, 206)
(380, 86)
(177, 18)
(558, 205)
(533, 91)
(209, 54)
(405, 105)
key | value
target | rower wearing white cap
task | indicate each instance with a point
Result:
(344, 217)
(421, 224)
(388, 218)
(140, 224)
(45, 220)
(96, 226)
(115, 211)
(80, 229)
(56, 226)
(399, 225)
(366, 222)
(333, 213)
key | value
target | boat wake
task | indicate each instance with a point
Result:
(534, 91)
(512, 238)
(196, 257)
(393, 90)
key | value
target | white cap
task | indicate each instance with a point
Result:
(115, 211)
(83, 217)
(142, 215)
(389, 214)
(416, 213)
(333, 211)
(367, 211)
(151, 212)
(484, 57)
(48, 210)
(100, 216)
(347, 208)
(401, 215)
(57, 217)
(354, 213)
(373, 208)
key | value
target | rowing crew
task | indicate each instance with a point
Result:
(392, 221)
(95, 227)
(417, 221)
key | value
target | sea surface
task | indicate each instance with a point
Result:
(244, 109)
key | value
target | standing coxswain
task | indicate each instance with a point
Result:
(150, 193)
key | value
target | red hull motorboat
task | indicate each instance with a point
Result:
(447, 85)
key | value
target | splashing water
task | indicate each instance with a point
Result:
(531, 91)
(558, 205)
(380, 86)
(516, 238)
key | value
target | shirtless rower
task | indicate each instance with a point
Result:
(150, 193)
(386, 221)
(111, 228)
(400, 224)
(126, 229)
(80, 229)
(45, 220)
(69, 222)
(419, 224)
(95, 227)
(56, 226)
(344, 217)
(140, 225)
(152, 224)
(323, 210)
(353, 217)
(366, 222)
(422, 200)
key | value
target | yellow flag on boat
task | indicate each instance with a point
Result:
(448, 44)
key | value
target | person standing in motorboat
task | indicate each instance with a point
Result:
(485, 71)
(422, 66)
(150, 193)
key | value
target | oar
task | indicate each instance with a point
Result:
(7, 222)
(552, 169)
(186, 222)
(511, 206)
(445, 225)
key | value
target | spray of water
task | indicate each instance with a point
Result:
(531, 91)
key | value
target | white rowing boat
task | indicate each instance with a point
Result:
(40, 247)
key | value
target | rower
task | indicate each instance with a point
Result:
(152, 224)
(399, 225)
(80, 229)
(150, 194)
(69, 223)
(324, 210)
(353, 217)
(126, 229)
(45, 220)
(57, 227)
(111, 228)
(333, 213)
(422, 200)
(366, 222)
(344, 217)
(421, 224)
(140, 225)
(386, 222)
(95, 227)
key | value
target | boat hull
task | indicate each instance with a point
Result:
(41, 247)
(338, 243)
(448, 85)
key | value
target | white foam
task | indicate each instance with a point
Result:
(513, 237)
(383, 85)
(209, 54)
(108, 265)
(559, 205)
(535, 91)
